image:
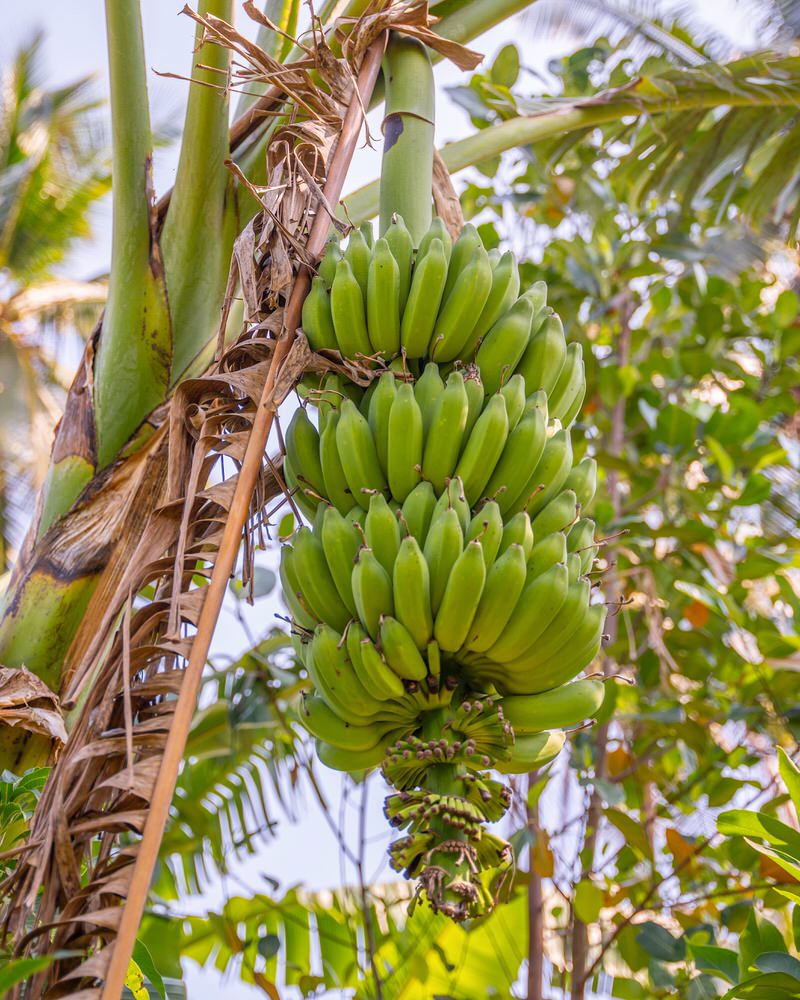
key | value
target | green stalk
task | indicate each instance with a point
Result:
(201, 222)
(407, 166)
(134, 355)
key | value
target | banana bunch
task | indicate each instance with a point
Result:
(446, 303)
(506, 602)
(439, 588)
(501, 447)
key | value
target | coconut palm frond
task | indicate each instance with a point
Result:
(52, 166)
(716, 137)
(686, 33)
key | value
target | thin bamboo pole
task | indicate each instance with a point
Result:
(229, 547)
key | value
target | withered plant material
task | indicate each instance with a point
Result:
(127, 661)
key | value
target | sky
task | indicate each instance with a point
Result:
(74, 45)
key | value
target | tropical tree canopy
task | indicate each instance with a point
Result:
(650, 178)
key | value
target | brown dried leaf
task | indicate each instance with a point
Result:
(27, 702)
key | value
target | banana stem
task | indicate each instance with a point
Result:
(407, 167)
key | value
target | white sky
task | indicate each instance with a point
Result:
(75, 46)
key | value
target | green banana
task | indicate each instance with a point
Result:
(382, 530)
(461, 306)
(504, 345)
(503, 587)
(540, 601)
(514, 394)
(563, 628)
(454, 497)
(411, 588)
(517, 530)
(315, 580)
(336, 488)
(368, 233)
(291, 591)
(327, 266)
(417, 511)
(358, 255)
(574, 655)
(559, 708)
(321, 721)
(402, 247)
(574, 566)
(380, 406)
(442, 548)
(570, 414)
(583, 480)
(437, 231)
(505, 288)
(487, 527)
(463, 249)
(404, 461)
(460, 599)
(537, 293)
(483, 449)
(316, 317)
(550, 474)
(348, 313)
(400, 650)
(375, 677)
(356, 761)
(383, 301)
(544, 357)
(559, 515)
(302, 444)
(571, 381)
(381, 683)
(429, 387)
(547, 552)
(372, 590)
(306, 503)
(532, 752)
(424, 299)
(335, 679)
(443, 441)
(522, 452)
(358, 454)
(340, 544)
(581, 542)
(379, 668)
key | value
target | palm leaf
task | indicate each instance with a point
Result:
(240, 767)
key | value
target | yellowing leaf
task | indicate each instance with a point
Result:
(134, 980)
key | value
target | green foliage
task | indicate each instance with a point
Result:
(18, 798)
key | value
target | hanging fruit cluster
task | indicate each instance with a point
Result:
(440, 594)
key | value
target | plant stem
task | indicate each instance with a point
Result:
(134, 353)
(197, 237)
(535, 906)
(407, 166)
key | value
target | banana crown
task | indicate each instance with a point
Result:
(439, 594)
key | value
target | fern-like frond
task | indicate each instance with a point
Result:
(240, 766)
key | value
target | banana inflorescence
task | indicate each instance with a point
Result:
(439, 590)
